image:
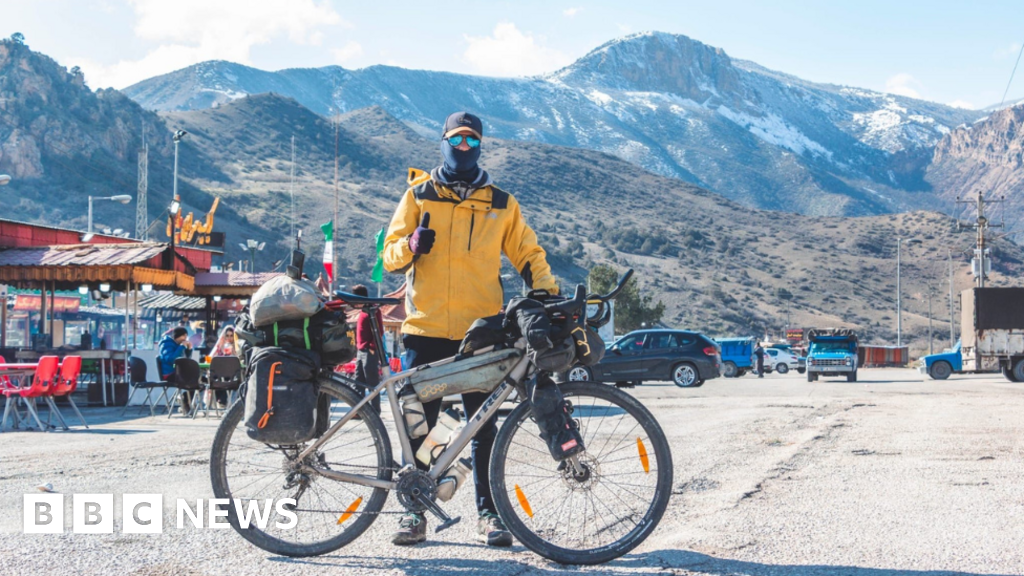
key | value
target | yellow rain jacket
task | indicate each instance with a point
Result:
(459, 280)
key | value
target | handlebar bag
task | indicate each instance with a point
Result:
(281, 395)
(284, 298)
(480, 373)
(588, 344)
(557, 358)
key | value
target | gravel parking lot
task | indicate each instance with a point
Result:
(894, 474)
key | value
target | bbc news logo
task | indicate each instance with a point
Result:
(144, 513)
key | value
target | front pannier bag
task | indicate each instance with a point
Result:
(281, 395)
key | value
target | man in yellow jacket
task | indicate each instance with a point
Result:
(447, 235)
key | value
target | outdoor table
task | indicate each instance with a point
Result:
(103, 356)
(18, 369)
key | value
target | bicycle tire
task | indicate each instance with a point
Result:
(364, 517)
(576, 392)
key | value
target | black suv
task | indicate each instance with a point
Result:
(686, 358)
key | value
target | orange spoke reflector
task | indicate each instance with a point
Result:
(350, 510)
(523, 502)
(643, 455)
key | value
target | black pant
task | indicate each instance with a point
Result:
(424, 350)
(368, 372)
(760, 367)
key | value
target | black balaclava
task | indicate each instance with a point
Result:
(459, 165)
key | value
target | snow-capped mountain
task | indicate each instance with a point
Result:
(666, 102)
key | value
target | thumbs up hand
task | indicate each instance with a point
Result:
(422, 240)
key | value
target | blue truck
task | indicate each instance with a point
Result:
(737, 355)
(940, 366)
(832, 352)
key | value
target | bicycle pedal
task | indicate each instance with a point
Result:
(447, 524)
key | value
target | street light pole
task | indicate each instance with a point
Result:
(122, 198)
(899, 292)
(177, 139)
(899, 288)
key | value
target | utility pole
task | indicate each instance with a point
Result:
(952, 325)
(930, 321)
(980, 225)
(141, 207)
(291, 195)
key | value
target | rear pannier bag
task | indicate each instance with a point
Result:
(284, 298)
(281, 395)
(480, 373)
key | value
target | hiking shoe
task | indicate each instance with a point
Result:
(412, 529)
(491, 530)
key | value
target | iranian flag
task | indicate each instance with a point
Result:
(328, 229)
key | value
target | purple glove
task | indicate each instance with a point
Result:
(422, 240)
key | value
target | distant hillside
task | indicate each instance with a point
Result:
(664, 102)
(719, 266)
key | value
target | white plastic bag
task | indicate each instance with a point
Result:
(284, 298)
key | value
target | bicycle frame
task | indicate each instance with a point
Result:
(391, 383)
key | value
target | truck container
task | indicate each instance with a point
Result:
(992, 337)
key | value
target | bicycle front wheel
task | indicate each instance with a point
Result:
(328, 514)
(597, 516)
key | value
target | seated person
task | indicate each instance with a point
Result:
(226, 346)
(173, 346)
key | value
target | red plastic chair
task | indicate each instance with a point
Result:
(5, 381)
(42, 382)
(65, 385)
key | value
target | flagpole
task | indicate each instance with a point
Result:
(334, 222)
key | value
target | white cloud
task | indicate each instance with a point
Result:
(509, 52)
(961, 104)
(191, 31)
(1010, 51)
(570, 12)
(347, 52)
(903, 84)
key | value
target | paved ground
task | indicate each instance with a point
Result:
(891, 475)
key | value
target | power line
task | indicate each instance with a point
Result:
(1011, 75)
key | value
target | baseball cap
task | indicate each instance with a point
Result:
(460, 120)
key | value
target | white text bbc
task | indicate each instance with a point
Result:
(143, 513)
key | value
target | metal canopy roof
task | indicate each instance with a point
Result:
(172, 302)
(68, 266)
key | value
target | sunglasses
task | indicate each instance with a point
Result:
(455, 141)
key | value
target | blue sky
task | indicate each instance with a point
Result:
(950, 52)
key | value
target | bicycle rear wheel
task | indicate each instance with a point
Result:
(605, 513)
(330, 514)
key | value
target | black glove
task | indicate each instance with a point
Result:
(422, 240)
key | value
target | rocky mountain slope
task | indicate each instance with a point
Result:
(987, 156)
(664, 102)
(61, 142)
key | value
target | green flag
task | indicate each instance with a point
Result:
(378, 268)
(328, 259)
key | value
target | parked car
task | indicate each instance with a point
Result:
(782, 361)
(688, 359)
